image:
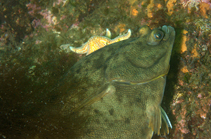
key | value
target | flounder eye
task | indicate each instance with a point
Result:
(158, 36)
(155, 37)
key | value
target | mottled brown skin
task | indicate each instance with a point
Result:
(116, 91)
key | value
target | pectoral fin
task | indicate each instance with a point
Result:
(156, 119)
(106, 89)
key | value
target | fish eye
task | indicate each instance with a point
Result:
(158, 36)
(155, 37)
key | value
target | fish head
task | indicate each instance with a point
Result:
(143, 59)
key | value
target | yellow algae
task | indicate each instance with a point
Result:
(170, 5)
(120, 27)
(204, 7)
(134, 12)
(184, 69)
(150, 8)
(194, 52)
(159, 6)
(184, 39)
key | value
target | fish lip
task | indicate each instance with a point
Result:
(169, 31)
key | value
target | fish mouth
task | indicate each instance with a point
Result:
(169, 32)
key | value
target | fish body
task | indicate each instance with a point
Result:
(116, 91)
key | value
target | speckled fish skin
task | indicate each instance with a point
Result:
(116, 91)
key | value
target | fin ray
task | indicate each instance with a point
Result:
(166, 121)
(156, 119)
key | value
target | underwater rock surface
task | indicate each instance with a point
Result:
(31, 61)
